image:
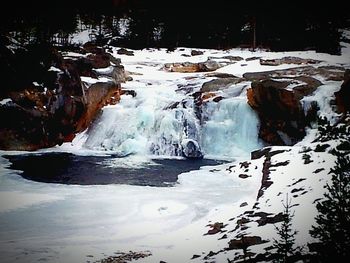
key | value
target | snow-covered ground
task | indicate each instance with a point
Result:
(65, 223)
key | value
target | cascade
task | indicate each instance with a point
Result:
(152, 124)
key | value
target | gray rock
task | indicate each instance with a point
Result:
(191, 149)
(217, 84)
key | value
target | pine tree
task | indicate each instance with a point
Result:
(285, 244)
(333, 220)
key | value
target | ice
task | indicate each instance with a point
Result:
(104, 219)
(323, 96)
(231, 129)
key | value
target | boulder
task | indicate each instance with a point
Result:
(282, 117)
(245, 242)
(185, 67)
(343, 95)
(191, 149)
(196, 52)
(221, 83)
(124, 51)
(189, 67)
(100, 60)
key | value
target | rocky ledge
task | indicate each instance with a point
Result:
(48, 95)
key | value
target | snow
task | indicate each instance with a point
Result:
(90, 81)
(5, 101)
(81, 37)
(52, 68)
(65, 223)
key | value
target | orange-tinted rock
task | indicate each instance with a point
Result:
(207, 96)
(343, 95)
(43, 115)
(282, 118)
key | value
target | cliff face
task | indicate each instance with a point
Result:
(277, 96)
(49, 96)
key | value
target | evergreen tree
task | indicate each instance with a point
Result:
(333, 220)
(285, 244)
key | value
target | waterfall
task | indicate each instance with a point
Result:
(152, 124)
(231, 128)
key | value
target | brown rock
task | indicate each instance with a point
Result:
(196, 52)
(40, 119)
(99, 60)
(124, 51)
(245, 242)
(281, 114)
(215, 228)
(217, 84)
(207, 96)
(343, 95)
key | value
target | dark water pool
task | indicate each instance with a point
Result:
(66, 168)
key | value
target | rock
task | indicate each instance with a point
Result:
(267, 219)
(281, 114)
(97, 97)
(129, 92)
(215, 228)
(217, 84)
(185, 67)
(90, 47)
(189, 67)
(196, 52)
(124, 51)
(257, 154)
(321, 147)
(220, 75)
(191, 149)
(327, 72)
(101, 60)
(252, 58)
(287, 60)
(243, 176)
(343, 146)
(243, 204)
(40, 118)
(245, 242)
(208, 96)
(209, 65)
(218, 98)
(231, 58)
(343, 95)
(307, 158)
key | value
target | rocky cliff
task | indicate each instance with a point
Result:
(48, 95)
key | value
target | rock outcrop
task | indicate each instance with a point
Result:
(189, 67)
(277, 102)
(191, 149)
(60, 97)
(287, 60)
(343, 95)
